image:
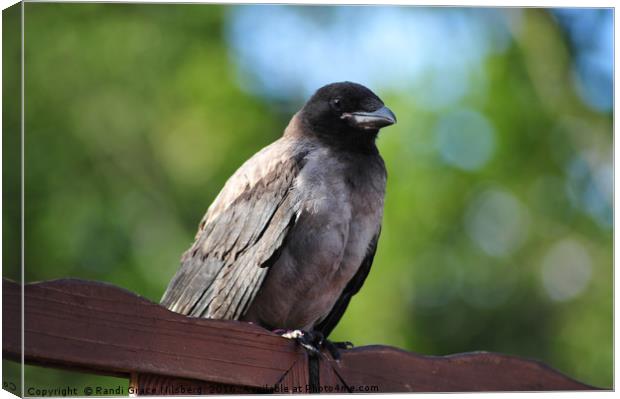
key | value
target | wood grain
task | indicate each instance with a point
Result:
(99, 328)
(387, 369)
(161, 385)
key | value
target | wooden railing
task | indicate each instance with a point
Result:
(99, 328)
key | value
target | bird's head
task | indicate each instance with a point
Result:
(346, 111)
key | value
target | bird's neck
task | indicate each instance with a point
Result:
(348, 140)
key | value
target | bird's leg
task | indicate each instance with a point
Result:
(312, 341)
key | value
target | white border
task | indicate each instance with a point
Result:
(541, 3)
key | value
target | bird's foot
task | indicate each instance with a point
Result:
(309, 340)
(334, 348)
(314, 341)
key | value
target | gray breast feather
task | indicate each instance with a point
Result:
(239, 235)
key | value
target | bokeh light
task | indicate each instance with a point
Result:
(497, 222)
(566, 270)
(465, 139)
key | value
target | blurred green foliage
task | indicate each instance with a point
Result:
(11, 161)
(135, 118)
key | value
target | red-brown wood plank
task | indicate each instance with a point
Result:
(159, 385)
(12, 320)
(296, 378)
(102, 328)
(329, 381)
(385, 369)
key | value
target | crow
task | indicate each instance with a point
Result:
(292, 235)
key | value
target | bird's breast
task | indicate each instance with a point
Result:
(344, 207)
(341, 212)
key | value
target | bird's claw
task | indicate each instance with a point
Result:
(314, 341)
(344, 345)
(309, 340)
(293, 334)
(334, 348)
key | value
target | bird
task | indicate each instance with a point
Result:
(292, 235)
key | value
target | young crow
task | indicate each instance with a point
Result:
(291, 236)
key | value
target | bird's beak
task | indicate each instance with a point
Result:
(371, 120)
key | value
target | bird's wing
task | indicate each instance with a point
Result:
(240, 236)
(327, 325)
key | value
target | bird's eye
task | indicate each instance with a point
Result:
(336, 103)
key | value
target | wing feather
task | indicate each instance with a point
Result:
(239, 235)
